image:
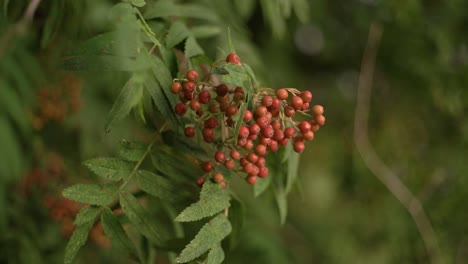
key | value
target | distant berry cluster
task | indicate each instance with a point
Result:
(267, 124)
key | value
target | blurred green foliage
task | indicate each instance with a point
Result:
(339, 212)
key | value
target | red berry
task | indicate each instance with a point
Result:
(252, 137)
(317, 110)
(261, 150)
(275, 104)
(218, 177)
(251, 179)
(261, 111)
(279, 135)
(241, 142)
(243, 161)
(320, 119)
(283, 142)
(199, 112)
(289, 111)
(263, 121)
(243, 132)
(315, 127)
(219, 156)
(299, 146)
(248, 144)
(192, 75)
(273, 146)
(297, 102)
(306, 96)
(180, 109)
(235, 154)
(188, 96)
(200, 181)
(267, 100)
(308, 136)
(222, 90)
(223, 184)
(247, 116)
(254, 129)
(265, 141)
(213, 107)
(249, 168)
(260, 162)
(267, 132)
(232, 110)
(282, 94)
(189, 131)
(207, 166)
(204, 97)
(229, 164)
(189, 87)
(229, 122)
(252, 157)
(238, 97)
(263, 172)
(211, 122)
(289, 132)
(194, 104)
(304, 127)
(208, 135)
(176, 87)
(233, 58)
(276, 124)
(239, 90)
(182, 97)
(222, 99)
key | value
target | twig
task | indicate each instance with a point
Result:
(19, 27)
(371, 158)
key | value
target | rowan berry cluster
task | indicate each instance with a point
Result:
(266, 125)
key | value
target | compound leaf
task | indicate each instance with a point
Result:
(97, 194)
(111, 169)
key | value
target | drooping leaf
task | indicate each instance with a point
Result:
(231, 44)
(131, 150)
(209, 236)
(237, 75)
(77, 240)
(177, 33)
(251, 74)
(238, 120)
(115, 232)
(302, 10)
(213, 199)
(102, 63)
(293, 165)
(111, 169)
(262, 185)
(192, 48)
(206, 31)
(97, 194)
(216, 255)
(138, 3)
(167, 8)
(140, 218)
(236, 218)
(245, 8)
(129, 96)
(272, 15)
(156, 185)
(282, 203)
(87, 214)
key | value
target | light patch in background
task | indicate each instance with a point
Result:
(309, 39)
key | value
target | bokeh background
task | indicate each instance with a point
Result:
(51, 120)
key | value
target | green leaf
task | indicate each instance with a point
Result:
(282, 203)
(251, 74)
(238, 121)
(192, 48)
(231, 45)
(115, 232)
(302, 10)
(216, 255)
(209, 236)
(245, 8)
(140, 218)
(236, 218)
(129, 96)
(132, 150)
(97, 194)
(111, 169)
(177, 33)
(167, 8)
(156, 185)
(262, 185)
(206, 31)
(272, 15)
(293, 165)
(138, 3)
(77, 240)
(237, 75)
(213, 199)
(87, 214)
(101, 63)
